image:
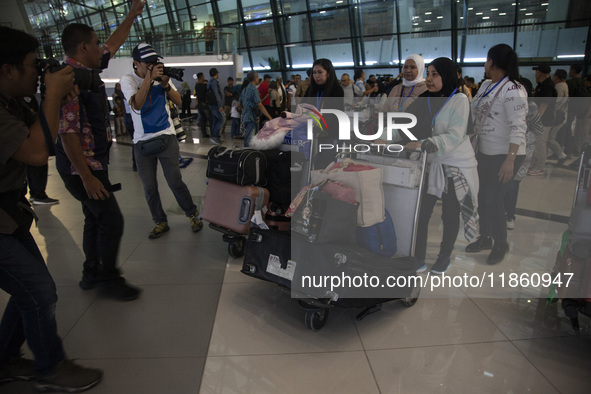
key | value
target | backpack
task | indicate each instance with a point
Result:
(211, 98)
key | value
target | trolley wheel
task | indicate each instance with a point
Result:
(316, 319)
(236, 248)
(412, 298)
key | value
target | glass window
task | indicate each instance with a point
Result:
(425, 15)
(428, 45)
(261, 33)
(291, 6)
(378, 18)
(331, 24)
(264, 59)
(551, 41)
(228, 11)
(381, 50)
(256, 9)
(339, 52)
(485, 13)
(297, 28)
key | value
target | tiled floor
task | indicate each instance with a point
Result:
(202, 326)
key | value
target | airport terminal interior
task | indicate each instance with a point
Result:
(202, 326)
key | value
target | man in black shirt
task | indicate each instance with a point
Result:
(228, 97)
(201, 104)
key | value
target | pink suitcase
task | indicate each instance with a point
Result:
(231, 206)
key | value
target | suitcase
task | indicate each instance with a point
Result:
(283, 174)
(231, 206)
(239, 166)
(275, 218)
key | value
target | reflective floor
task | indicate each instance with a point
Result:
(202, 326)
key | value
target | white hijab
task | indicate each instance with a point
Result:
(420, 62)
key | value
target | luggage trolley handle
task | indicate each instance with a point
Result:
(418, 205)
(585, 157)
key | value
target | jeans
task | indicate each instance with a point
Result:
(216, 121)
(491, 196)
(249, 127)
(450, 217)
(103, 229)
(235, 132)
(147, 168)
(30, 312)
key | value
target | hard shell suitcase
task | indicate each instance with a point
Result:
(231, 206)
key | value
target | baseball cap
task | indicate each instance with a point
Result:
(542, 68)
(144, 52)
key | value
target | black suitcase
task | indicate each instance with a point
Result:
(284, 173)
(241, 167)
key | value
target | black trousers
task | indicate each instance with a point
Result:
(450, 217)
(491, 196)
(37, 180)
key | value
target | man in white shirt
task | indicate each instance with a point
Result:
(149, 92)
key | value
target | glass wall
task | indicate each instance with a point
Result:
(284, 35)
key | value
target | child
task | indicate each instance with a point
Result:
(119, 111)
(235, 115)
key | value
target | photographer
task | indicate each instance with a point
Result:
(82, 155)
(149, 90)
(30, 312)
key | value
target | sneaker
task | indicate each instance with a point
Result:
(158, 230)
(69, 377)
(119, 290)
(422, 267)
(43, 201)
(510, 224)
(498, 252)
(196, 223)
(535, 172)
(17, 368)
(441, 265)
(482, 243)
(215, 141)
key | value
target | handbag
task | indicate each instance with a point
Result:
(366, 181)
(239, 166)
(153, 146)
(320, 218)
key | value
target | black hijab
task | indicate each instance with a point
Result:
(429, 103)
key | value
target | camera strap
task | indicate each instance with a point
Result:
(46, 132)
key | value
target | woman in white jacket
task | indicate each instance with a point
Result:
(442, 113)
(499, 112)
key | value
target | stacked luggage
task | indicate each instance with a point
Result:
(339, 227)
(572, 271)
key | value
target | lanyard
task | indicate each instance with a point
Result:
(431, 113)
(488, 91)
(401, 105)
(319, 99)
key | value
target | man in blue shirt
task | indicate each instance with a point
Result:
(251, 100)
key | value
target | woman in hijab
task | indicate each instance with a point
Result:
(442, 114)
(325, 91)
(412, 86)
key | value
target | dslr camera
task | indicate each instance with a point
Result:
(172, 72)
(86, 79)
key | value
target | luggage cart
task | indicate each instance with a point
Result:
(574, 258)
(268, 255)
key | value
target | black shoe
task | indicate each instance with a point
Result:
(482, 243)
(441, 265)
(119, 290)
(87, 283)
(498, 252)
(69, 377)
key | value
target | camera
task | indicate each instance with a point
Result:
(172, 72)
(86, 79)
